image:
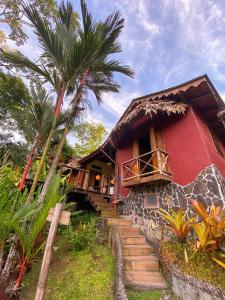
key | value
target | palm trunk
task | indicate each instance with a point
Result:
(28, 164)
(54, 165)
(2, 245)
(56, 159)
(47, 145)
(11, 260)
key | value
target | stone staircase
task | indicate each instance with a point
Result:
(140, 261)
(101, 204)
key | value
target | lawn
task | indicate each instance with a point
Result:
(84, 274)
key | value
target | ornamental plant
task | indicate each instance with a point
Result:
(179, 223)
(214, 221)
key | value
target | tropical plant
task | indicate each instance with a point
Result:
(179, 223)
(97, 76)
(31, 241)
(214, 221)
(35, 122)
(203, 234)
(219, 262)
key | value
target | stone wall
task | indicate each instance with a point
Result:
(143, 201)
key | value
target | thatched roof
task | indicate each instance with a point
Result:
(151, 108)
(73, 163)
(198, 93)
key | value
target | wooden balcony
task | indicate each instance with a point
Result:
(146, 168)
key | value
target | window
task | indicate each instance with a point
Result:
(151, 200)
(217, 144)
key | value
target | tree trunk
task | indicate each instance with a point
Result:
(59, 149)
(47, 145)
(2, 245)
(28, 164)
(11, 260)
(54, 165)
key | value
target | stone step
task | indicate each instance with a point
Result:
(130, 250)
(128, 230)
(96, 203)
(141, 263)
(109, 208)
(145, 279)
(109, 214)
(132, 240)
(119, 221)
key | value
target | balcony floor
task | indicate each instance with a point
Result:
(146, 180)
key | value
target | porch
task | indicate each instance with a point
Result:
(146, 168)
(84, 181)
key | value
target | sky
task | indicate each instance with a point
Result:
(166, 42)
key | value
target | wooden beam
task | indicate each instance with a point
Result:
(149, 179)
(48, 253)
(109, 157)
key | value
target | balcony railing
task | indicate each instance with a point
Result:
(147, 167)
(82, 181)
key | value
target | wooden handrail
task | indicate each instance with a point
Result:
(137, 167)
(145, 154)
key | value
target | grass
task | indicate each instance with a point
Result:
(148, 295)
(85, 274)
(200, 266)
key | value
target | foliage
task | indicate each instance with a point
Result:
(17, 152)
(214, 222)
(11, 13)
(27, 220)
(83, 235)
(89, 136)
(148, 295)
(202, 232)
(31, 239)
(12, 92)
(201, 265)
(80, 275)
(179, 223)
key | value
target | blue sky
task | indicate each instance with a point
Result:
(166, 42)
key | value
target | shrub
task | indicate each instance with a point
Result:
(214, 221)
(83, 235)
(179, 223)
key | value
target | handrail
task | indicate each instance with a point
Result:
(145, 154)
(156, 163)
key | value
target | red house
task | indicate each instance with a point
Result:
(167, 148)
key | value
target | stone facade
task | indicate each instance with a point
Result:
(144, 201)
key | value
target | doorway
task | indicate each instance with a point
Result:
(144, 145)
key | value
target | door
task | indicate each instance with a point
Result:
(144, 144)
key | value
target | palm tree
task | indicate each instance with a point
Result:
(98, 76)
(35, 121)
(64, 57)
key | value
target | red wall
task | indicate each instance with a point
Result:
(122, 154)
(189, 145)
(190, 148)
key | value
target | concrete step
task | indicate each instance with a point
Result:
(132, 240)
(145, 279)
(128, 230)
(144, 249)
(119, 221)
(109, 214)
(141, 263)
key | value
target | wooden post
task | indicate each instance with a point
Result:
(48, 253)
